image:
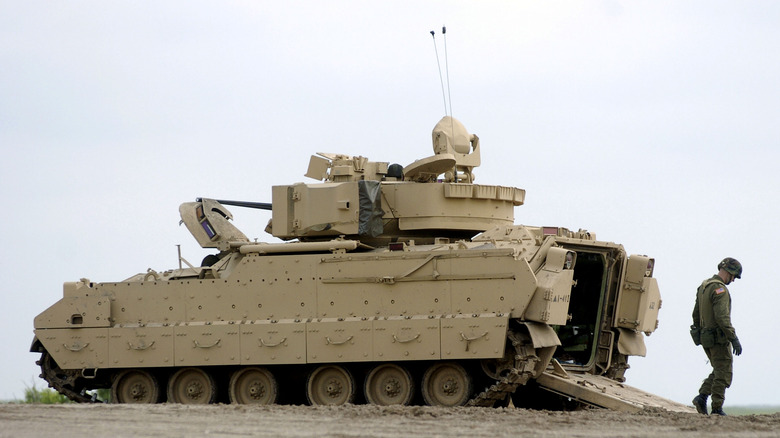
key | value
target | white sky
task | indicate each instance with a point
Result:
(651, 123)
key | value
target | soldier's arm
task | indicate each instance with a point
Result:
(721, 309)
(696, 317)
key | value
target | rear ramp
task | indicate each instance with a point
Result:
(604, 392)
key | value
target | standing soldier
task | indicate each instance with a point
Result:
(712, 321)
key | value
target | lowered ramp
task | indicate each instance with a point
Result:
(606, 393)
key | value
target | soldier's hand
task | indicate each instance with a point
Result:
(736, 346)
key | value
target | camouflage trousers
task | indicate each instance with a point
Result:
(720, 377)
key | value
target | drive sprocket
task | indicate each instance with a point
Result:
(66, 382)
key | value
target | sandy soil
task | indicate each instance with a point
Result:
(171, 420)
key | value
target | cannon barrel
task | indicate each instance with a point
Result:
(257, 205)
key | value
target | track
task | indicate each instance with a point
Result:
(64, 382)
(512, 374)
(521, 370)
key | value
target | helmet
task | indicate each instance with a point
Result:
(732, 266)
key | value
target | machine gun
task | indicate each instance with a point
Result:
(247, 204)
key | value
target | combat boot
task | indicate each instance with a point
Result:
(700, 403)
(718, 411)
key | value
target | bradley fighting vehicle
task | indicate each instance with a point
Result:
(395, 285)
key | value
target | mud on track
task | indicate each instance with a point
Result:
(171, 420)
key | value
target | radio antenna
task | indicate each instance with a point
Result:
(447, 67)
(436, 50)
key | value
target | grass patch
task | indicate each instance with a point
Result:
(751, 410)
(45, 396)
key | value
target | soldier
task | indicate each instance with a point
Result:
(712, 317)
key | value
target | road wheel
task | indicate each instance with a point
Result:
(446, 384)
(135, 386)
(389, 384)
(253, 386)
(330, 385)
(192, 386)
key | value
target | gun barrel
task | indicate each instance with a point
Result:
(247, 204)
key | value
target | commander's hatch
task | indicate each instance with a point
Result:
(603, 392)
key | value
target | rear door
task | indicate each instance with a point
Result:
(638, 296)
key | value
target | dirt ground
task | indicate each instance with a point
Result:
(172, 420)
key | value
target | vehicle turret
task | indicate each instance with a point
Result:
(375, 203)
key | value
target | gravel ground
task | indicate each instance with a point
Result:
(172, 420)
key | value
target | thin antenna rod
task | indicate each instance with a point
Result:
(436, 50)
(447, 68)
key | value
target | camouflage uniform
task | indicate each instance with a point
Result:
(713, 311)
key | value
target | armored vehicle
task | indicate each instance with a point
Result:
(390, 285)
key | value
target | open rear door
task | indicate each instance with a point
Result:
(638, 297)
(606, 393)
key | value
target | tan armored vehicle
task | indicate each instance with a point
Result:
(395, 285)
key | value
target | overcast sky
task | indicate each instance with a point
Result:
(654, 124)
